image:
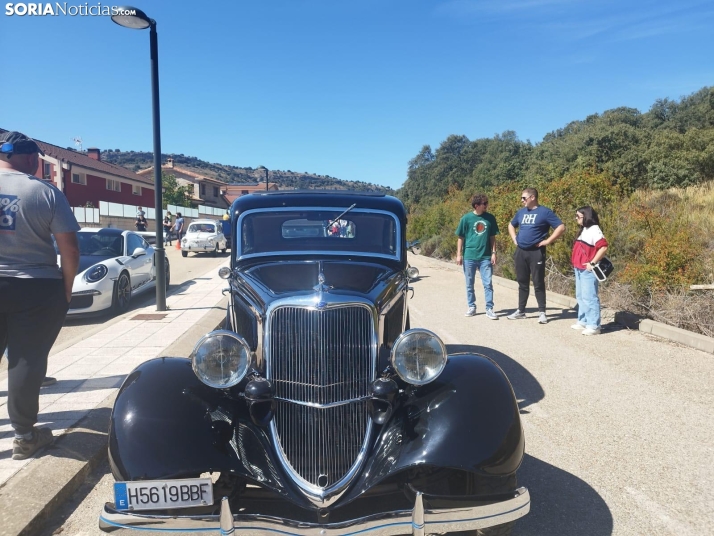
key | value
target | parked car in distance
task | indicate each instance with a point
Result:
(203, 236)
(317, 410)
(114, 266)
(149, 236)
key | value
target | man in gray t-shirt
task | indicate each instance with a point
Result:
(35, 291)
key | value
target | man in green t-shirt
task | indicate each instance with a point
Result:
(476, 250)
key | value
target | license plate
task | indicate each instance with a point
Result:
(160, 494)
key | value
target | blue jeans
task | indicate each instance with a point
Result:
(486, 269)
(586, 292)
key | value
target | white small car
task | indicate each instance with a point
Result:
(203, 236)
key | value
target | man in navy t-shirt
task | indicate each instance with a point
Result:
(533, 222)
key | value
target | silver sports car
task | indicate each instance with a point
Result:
(114, 266)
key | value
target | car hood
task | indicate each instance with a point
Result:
(296, 277)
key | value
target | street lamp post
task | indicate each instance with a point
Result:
(266, 180)
(131, 17)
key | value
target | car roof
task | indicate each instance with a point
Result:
(203, 221)
(103, 231)
(319, 198)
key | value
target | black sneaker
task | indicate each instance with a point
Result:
(49, 380)
(24, 448)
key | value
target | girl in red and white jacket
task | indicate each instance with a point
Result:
(589, 247)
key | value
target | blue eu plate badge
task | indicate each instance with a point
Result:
(121, 501)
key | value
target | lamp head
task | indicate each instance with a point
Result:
(131, 17)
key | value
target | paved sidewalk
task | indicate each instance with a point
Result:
(93, 369)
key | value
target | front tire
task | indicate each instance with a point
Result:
(214, 253)
(122, 294)
(184, 253)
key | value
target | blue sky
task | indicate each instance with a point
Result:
(351, 89)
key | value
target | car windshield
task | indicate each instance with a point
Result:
(98, 244)
(364, 232)
(201, 228)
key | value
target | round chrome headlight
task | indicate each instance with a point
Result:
(221, 359)
(95, 273)
(418, 356)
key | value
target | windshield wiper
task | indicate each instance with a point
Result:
(345, 212)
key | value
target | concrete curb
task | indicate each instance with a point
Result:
(632, 321)
(31, 496)
(682, 336)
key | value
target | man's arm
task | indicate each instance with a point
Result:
(552, 238)
(460, 251)
(69, 257)
(512, 232)
(493, 249)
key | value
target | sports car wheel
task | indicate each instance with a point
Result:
(122, 293)
(184, 253)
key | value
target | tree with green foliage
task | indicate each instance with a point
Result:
(173, 193)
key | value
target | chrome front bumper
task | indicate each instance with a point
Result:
(419, 521)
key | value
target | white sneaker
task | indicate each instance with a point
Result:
(490, 314)
(588, 331)
(542, 319)
(577, 325)
(471, 311)
(516, 315)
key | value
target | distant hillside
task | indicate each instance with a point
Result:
(138, 160)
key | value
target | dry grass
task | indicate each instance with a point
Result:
(695, 204)
(556, 281)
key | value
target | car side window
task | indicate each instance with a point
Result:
(133, 242)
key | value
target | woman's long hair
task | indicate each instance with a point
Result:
(590, 218)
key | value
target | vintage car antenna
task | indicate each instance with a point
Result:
(338, 217)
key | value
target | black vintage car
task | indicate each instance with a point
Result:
(317, 410)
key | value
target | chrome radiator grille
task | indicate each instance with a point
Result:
(325, 359)
(321, 444)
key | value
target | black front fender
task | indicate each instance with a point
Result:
(167, 424)
(468, 419)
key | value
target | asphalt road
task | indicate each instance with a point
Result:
(618, 427)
